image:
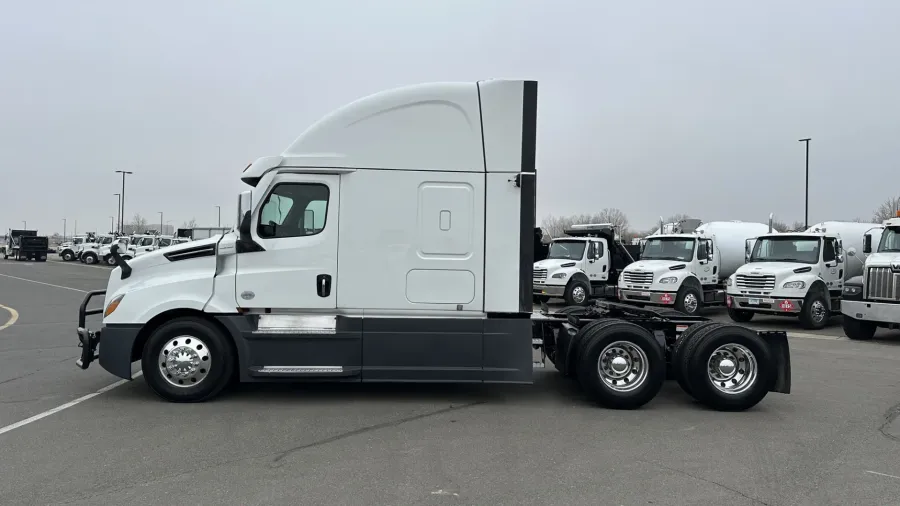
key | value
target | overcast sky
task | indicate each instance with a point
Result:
(654, 107)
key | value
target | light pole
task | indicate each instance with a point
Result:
(220, 215)
(119, 210)
(806, 213)
(112, 225)
(64, 230)
(75, 232)
(123, 172)
(160, 222)
(25, 224)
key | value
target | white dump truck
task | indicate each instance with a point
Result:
(798, 274)
(89, 252)
(872, 300)
(433, 284)
(583, 265)
(687, 268)
(67, 249)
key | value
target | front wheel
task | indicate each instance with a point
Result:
(689, 300)
(814, 314)
(740, 315)
(110, 260)
(577, 293)
(858, 330)
(67, 256)
(188, 360)
(89, 258)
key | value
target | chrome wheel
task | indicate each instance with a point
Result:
(111, 261)
(818, 311)
(67, 256)
(579, 294)
(691, 303)
(184, 361)
(732, 369)
(89, 259)
(622, 366)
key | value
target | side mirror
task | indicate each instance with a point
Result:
(867, 243)
(851, 252)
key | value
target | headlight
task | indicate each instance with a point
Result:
(113, 304)
(795, 285)
(852, 290)
(728, 282)
(669, 280)
(559, 275)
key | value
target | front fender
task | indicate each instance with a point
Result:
(186, 284)
(570, 272)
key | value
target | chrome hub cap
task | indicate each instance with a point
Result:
(818, 311)
(690, 303)
(578, 294)
(622, 366)
(732, 369)
(184, 361)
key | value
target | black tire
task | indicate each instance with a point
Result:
(682, 348)
(218, 349)
(858, 330)
(740, 315)
(110, 260)
(573, 292)
(731, 339)
(541, 298)
(810, 316)
(67, 255)
(596, 340)
(90, 258)
(684, 293)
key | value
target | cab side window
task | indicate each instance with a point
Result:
(598, 249)
(830, 252)
(294, 210)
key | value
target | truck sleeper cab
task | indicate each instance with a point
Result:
(432, 284)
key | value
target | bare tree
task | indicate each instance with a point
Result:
(887, 209)
(138, 224)
(555, 226)
(189, 224)
(675, 218)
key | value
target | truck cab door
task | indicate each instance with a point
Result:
(596, 264)
(296, 224)
(707, 262)
(833, 264)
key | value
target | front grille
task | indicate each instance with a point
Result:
(756, 282)
(540, 275)
(883, 284)
(638, 277)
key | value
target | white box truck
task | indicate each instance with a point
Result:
(798, 274)
(872, 300)
(685, 267)
(394, 241)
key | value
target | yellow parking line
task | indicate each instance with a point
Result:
(13, 316)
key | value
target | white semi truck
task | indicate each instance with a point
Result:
(89, 252)
(872, 300)
(798, 274)
(67, 249)
(432, 284)
(686, 269)
(584, 265)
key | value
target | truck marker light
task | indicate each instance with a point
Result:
(113, 304)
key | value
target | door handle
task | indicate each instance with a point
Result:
(323, 285)
(604, 268)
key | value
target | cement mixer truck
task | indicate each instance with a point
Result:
(685, 266)
(798, 274)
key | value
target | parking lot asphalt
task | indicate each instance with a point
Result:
(833, 440)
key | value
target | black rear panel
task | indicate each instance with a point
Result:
(528, 182)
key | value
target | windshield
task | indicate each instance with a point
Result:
(164, 242)
(786, 249)
(106, 240)
(890, 240)
(147, 241)
(668, 248)
(567, 250)
(78, 240)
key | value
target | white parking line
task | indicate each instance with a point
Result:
(67, 405)
(42, 283)
(883, 474)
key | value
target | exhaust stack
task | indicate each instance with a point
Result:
(771, 219)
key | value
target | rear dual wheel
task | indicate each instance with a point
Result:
(619, 364)
(725, 366)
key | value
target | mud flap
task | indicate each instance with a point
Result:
(778, 345)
